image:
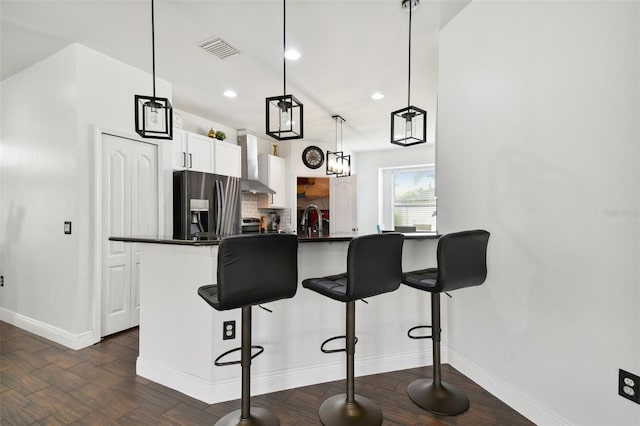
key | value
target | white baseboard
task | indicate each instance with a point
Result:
(515, 399)
(55, 334)
(273, 381)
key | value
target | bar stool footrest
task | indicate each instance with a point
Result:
(331, 339)
(259, 417)
(444, 399)
(418, 327)
(336, 411)
(218, 363)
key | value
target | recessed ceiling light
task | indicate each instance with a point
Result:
(292, 54)
(230, 94)
(377, 96)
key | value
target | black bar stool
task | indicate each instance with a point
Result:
(252, 269)
(374, 266)
(462, 262)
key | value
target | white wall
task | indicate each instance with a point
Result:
(39, 192)
(298, 168)
(539, 144)
(196, 124)
(49, 115)
(369, 164)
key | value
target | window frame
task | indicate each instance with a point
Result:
(385, 193)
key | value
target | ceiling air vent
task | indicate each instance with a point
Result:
(218, 47)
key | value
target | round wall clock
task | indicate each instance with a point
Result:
(313, 157)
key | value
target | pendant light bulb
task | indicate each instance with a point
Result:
(286, 118)
(408, 128)
(331, 165)
(153, 113)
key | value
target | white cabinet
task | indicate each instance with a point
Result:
(203, 154)
(343, 204)
(272, 172)
(199, 153)
(227, 159)
(179, 144)
(192, 152)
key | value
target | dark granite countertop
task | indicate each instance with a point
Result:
(168, 239)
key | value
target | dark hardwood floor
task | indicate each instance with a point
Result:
(44, 383)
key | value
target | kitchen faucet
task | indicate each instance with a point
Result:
(305, 214)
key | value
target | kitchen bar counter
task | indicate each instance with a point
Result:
(167, 239)
(181, 335)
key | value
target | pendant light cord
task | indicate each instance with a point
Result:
(409, 79)
(336, 118)
(341, 138)
(342, 120)
(153, 50)
(284, 46)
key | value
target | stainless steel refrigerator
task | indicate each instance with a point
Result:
(205, 205)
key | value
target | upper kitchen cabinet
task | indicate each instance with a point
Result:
(179, 144)
(272, 172)
(227, 159)
(203, 154)
(192, 152)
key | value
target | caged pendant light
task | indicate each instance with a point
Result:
(284, 115)
(153, 115)
(338, 164)
(409, 125)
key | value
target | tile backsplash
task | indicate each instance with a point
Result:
(250, 205)
(250, 209)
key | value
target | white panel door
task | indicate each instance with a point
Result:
(116, 220)
(343, 205)
(144, 212)
(129, 207)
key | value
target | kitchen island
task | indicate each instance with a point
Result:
(181, 335)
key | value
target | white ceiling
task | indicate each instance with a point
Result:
(350, 49)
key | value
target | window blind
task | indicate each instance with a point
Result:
(413, 196)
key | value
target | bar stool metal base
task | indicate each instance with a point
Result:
(336, 411)
(444, 399)
(259, 417)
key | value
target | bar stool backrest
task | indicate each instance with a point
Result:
(462, 260)
(374, 265)
(255, 269)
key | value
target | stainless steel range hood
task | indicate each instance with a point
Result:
(250, 182)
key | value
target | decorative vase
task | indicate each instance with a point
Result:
(275, 149)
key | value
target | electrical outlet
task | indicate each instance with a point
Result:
(228, 330)
(67, 227)
(1, 280)
(629, 386)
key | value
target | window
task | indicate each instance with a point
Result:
(408, 197)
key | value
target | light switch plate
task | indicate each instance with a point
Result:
(67, 227)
